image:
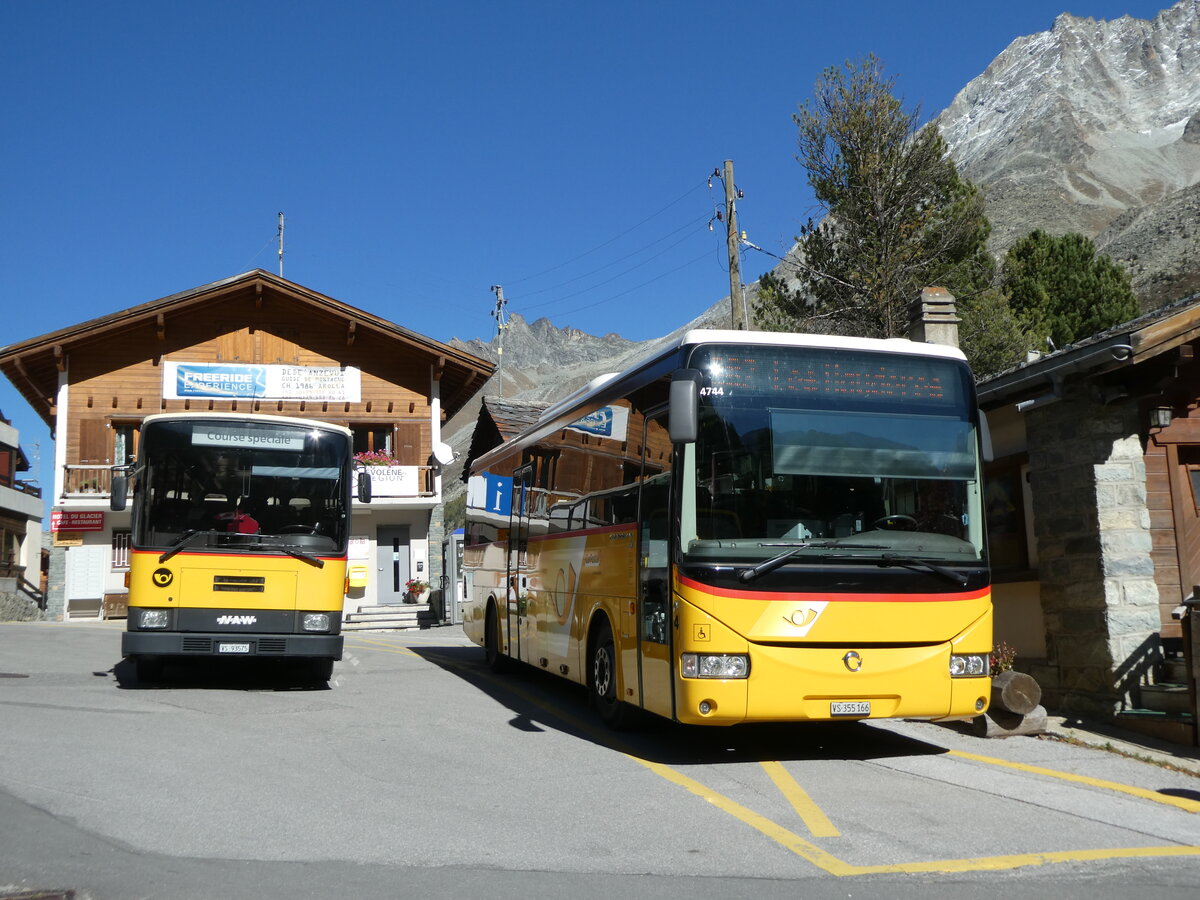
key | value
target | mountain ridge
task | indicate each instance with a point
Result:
(1092, 126)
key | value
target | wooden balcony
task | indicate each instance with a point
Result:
(87, 481)
(388, 483)
(398, 483)
(22, 487)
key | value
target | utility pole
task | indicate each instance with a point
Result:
(731, 239)
(280, 245)
(501, 325)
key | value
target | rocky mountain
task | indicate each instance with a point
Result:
(1092, 126)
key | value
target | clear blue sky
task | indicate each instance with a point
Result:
(423, 152)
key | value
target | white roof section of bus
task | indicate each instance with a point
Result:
(582, 397)
(832, 341)
(256, 418)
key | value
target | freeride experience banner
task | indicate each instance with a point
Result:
(226, 381)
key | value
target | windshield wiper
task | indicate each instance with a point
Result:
(290, 550)
(300, 554)
(895, 559)
(745, 576)
(183, 541)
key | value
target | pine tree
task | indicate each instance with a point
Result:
(899, 217)
(1061, 288)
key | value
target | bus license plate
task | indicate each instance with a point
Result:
(850, 708)
(233, 648)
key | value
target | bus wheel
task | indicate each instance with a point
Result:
(602, 680)
(149, 668)
(496, 660)
(319, 672)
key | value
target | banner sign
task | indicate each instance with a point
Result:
(76, 520)
(393, 481)
(230, 381)
(606, 422)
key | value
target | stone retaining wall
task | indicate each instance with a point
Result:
(1099, 597)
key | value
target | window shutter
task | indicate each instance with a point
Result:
(93, 442)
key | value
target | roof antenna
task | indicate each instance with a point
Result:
(281, 245)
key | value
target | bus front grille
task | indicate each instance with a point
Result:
(252, 583)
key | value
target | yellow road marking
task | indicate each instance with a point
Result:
(385, 646)
(813, 817)
(832, 864)
(777, 833)
(1181, 802)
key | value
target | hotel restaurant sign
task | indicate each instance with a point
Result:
(225, 381)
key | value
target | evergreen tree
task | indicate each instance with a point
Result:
(899, 217)
(1063, 289)
(991, 334)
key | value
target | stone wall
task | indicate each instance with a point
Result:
(1088, 480)
(437, 534)
(56, 579)
(15, 606)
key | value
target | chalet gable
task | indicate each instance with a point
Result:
(255, 317)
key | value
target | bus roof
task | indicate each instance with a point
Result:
(605, 388)
(257, 418)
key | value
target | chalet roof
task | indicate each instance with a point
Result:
(1144, 338)
(511, 417)
(33, 365)
(499, 421)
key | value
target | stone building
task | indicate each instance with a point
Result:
(1094, 518)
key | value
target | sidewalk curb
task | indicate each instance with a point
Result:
(1128, 743)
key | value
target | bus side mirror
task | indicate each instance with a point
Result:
(364, 487)
(985, 438)
(684, 416)
(120, 488)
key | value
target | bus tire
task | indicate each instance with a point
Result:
(602, 679)
(495, 657)
(149, 668)
(319, 671)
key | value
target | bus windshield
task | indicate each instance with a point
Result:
(241, 485)
(844, 452)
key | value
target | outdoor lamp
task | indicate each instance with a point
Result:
(1160, 417)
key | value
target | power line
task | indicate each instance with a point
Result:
(620, 259)
(611, 240)
(636, 287)
(616, 277)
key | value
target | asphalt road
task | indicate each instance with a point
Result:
(420, 773)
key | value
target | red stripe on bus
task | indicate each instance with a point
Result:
(793, 596)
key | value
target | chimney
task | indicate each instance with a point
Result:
(932, 317)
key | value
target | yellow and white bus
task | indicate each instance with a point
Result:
(745, 527)
(239, 534)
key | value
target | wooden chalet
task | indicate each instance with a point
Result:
(94, 382)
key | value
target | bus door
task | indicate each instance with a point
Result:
(654, 582)
(517, 577)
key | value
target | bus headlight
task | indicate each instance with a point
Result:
(716, 665)
(154, 618)
(315, 622)
(970, 665)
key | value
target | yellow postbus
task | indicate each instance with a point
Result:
(745, 527)
(238, 545)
